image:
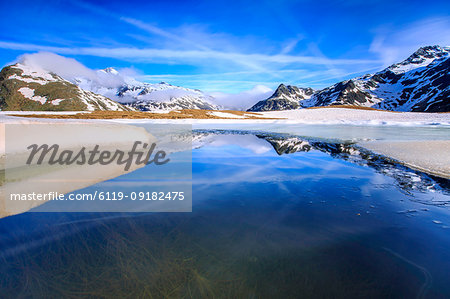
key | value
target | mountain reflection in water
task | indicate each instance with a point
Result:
(406, 178)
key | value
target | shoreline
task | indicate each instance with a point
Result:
(430, 153)
(326, 115)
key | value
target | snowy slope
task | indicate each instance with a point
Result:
(33, 89)
(419, 83)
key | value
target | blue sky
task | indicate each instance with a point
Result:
(228, 46)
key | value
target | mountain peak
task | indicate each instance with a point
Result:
(111, 70)
(285, 97)
(428, 52)
(420, 58)
(282, 89)
(286, 90)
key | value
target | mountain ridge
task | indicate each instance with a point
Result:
(23, 88)
(148, 96)
(419, 83)
(285, 97)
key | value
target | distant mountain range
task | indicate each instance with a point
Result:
(146, 96)
(419, 83)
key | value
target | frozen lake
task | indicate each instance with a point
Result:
(272, 216)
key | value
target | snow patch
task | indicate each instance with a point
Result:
(56, 102)
(35, 72)
(226, 115)
(29, 94)
(28, 80)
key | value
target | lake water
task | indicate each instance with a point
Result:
(273, 216)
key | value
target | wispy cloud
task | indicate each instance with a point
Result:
(180, 56)
(265, 42)
(194, 44)
(243, 79)
(218, 58)
(395, 45)
(163, 33)
(291, 44)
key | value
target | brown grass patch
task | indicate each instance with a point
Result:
(178, 114)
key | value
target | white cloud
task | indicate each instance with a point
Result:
(62, 66)
(186, 56)
(70, 69)
(242, 100)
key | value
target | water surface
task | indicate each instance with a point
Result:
(273, 216)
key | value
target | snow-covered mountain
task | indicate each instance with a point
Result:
(419, 83)
(284, 98)
(145, 96)
(26, 88)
